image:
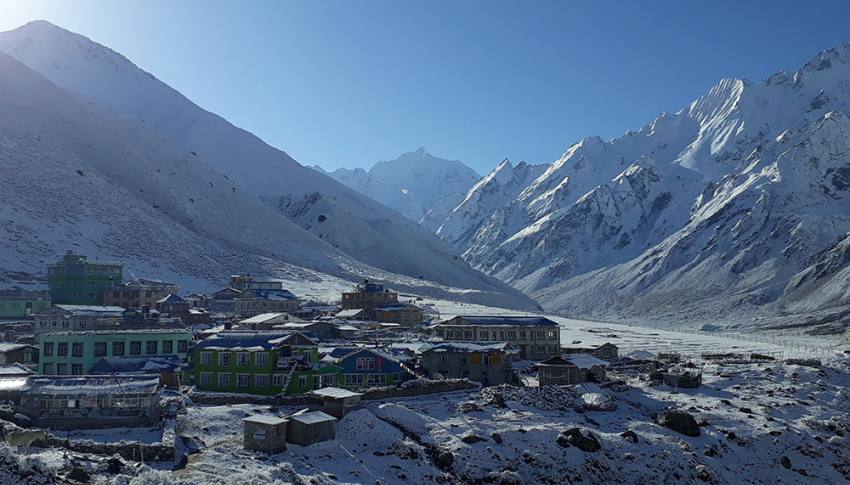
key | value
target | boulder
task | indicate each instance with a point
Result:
(581, 438)
(444, 459)
(78, 474)
(471, 438)
(679, 421)
(630, 435)
(785, 462)
(497, 437)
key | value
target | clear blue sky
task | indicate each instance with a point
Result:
(348, 83)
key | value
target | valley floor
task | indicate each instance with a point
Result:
(770, 422)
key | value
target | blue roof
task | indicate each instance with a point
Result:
(504, 320)
(242, 340)
(273, 294)
(172, 298)
(135, 365)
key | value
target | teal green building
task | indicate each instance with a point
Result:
(267, 363)
(18, 303)
(74, 353)
(75, 280)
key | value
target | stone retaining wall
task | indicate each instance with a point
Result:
(414, 388)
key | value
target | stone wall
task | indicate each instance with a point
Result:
(417, 387)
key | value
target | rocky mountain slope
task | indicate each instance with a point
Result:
(734, 208)
(420, 186)
(101, 157)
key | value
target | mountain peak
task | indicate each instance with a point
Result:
(421, 151)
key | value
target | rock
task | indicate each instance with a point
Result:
(78, 474)
(678, 421)
(471, 438)
(630, 436)
(468, 407)
(785, 462)
(582, 439)
(444, 459)
(497, 437)
(703, 473)
(114, 465)
(730, 435)
(775, 432)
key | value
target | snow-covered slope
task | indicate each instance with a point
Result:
(199, 181)
(735, 207)
(420, 186)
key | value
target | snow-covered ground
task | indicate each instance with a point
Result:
(769, 422)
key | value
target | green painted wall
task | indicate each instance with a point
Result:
(89, 339)
(296, 386)
(77, 281)
(17, 307)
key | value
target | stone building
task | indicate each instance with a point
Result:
(487, 363)
(368, 296)
(536, 338)
(18, 303)
(264, 433)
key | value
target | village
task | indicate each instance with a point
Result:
(100, 354)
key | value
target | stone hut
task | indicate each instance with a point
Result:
(306, 428)
(264, 433)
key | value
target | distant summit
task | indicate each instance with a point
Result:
(418, 185)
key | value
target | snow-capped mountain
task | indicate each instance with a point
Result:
(736, 207)
(420, 186)
(100, 156)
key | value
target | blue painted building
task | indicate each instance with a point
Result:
(363, 368)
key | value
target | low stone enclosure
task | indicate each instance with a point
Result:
(418, 387)
(163, 450)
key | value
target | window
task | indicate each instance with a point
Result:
(224, 380)
(277, 379)
(224, 359)
(375, 379)
(551, 335)
(484, 335)
(464, 359)
(100, 349)
(77, 349)
(66, 324)
(151, 346)
(28, 356)
(302, 381)
(62, 349)
(485, 358)
(511, 334)
(365, 363)
(444, 358)
(167, 346)
(61, 369)
(354, 379)
(135, 348)
(541, 334)
(48, 349)
(541, 349)
(261, 359)
(467, 335)
(206, 378)
(261, 380)
(523, 335)
(117, 348)
(48, 369)
(182, 345)
(243, 380)
(242, 359)
(206, 358)
(77, 369)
